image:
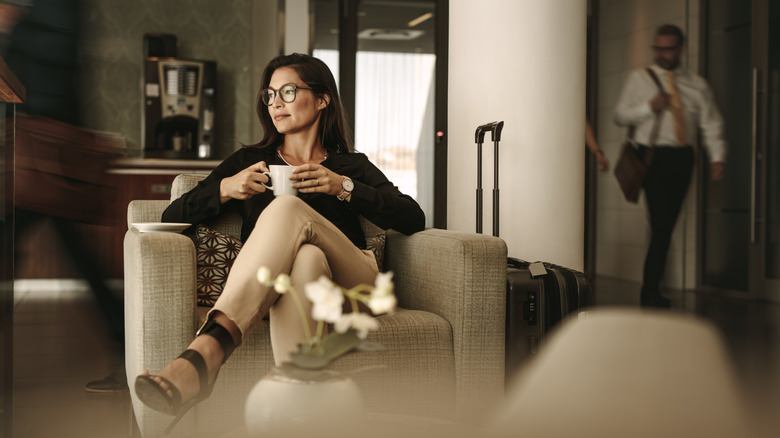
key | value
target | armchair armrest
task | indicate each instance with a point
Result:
(462, 278)
(145, 211)
(160, 301)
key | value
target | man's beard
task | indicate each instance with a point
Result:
(667, 64)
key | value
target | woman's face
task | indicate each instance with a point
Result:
(300, 115)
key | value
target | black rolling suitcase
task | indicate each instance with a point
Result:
(539, 295)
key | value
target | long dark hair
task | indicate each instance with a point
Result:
(333, 129)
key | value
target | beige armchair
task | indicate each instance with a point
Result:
(445, 346)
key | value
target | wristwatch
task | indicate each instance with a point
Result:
(346, 189)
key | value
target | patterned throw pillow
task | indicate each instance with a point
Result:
(216, 253)
(376, 244)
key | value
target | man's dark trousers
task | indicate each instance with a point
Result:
(665, 185)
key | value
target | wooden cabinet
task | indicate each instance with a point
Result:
(43, 253)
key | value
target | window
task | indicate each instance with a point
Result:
(394, 85)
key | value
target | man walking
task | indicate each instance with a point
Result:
(680, 106)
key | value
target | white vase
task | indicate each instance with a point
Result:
(280, 405)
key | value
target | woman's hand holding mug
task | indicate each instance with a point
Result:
(317, 179)
(282, 179)
(244, 184)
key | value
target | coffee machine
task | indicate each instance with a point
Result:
(179, 107)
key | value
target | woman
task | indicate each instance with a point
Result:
(317, 233)
(593, 145)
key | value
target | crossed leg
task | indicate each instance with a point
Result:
(289, 237)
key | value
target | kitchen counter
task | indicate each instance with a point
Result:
(159, 166)
(129, 178)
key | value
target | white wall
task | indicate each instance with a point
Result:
(626, 29)
(523, 62)
(269, 33)
(296, 26)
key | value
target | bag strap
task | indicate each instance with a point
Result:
(655, 79)
(656, 125)
(654, 133)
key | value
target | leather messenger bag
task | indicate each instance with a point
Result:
(630, 170)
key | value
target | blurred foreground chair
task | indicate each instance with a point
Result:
(445, 346)
(627, 373)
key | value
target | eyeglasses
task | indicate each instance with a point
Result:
(286, 92)
(665, 48)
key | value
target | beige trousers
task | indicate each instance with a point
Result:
(292, 238)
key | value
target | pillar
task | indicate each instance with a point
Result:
(521, 62)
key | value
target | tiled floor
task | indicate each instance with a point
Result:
(60, 344)
(750, 329)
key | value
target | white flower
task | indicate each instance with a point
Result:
(327, 299)
(382, 299)
(264, 275)
(383, 284)
(282, 283)
(361, 322)
(385, 304)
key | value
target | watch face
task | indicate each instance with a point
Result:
(347, 184)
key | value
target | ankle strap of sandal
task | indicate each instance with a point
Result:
(196, 359)
(222, 336)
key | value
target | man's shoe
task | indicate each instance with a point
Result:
(110, 384)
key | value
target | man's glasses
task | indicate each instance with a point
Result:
(286, 92)
(665, 49)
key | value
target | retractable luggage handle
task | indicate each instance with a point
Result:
(479, 136)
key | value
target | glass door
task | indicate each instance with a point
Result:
(741, 214)
(765, 149)
(393, 86)
(6, 263)
(394, 93)
(726, 204)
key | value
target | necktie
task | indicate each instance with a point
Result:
(675, 106)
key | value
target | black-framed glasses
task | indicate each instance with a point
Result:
(665, 48)
(287, 92)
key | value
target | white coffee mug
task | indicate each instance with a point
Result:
(279, 180)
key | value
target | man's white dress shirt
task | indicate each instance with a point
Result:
(699, 109)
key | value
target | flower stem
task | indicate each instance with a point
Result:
(354, 303)
(357, 293)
